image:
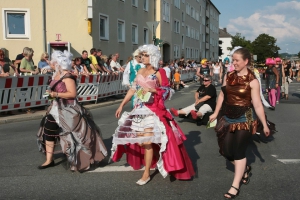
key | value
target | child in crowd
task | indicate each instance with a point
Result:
(176, 79)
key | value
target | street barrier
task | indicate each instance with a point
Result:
(27, 91)
(23, 92)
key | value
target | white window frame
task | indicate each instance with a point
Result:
(166, 11)
(136, 39)
(176, 50)
(106, 37)
(147, 35)
(147, 5)
(134, 3)
(123, 30)
(177, 3)
(26, 13)
(176, 26)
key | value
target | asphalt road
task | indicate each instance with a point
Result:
(271, 178)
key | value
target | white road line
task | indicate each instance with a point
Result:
(122, 168)
(289, 161)
(275, 156)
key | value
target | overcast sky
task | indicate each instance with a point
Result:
(278, 18)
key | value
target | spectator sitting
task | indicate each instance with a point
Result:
(205, 100)
(27, 65)
(44, 61)
(6, 65)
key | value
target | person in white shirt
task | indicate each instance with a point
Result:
(168, 71)
(114, 63)
(132, 68)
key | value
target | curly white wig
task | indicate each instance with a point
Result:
(153, 52)
(61, 61)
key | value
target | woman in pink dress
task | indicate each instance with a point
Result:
(148, 135)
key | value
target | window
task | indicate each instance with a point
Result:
(176, 26)
(176, 51)
(183, 1)
(177, 3)
(104, 27)
(200, 10)
(121, 30)
(182, 17)
(182, 42)
(188, 34)
(146, 36)
(166, 11)
(146, 5)
(134, 33)
(17, 23)
(135, 3)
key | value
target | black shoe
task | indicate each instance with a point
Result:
(272, 108)
(46, 166)
(232, 196)
(246, 180)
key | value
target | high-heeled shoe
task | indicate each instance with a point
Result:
(246, 180)
(232, 196)
(141, 182)
(46, 166)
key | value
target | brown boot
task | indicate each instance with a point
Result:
(286, 96)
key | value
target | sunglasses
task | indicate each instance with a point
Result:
(138, 56)
(145, 55)
(206, 80)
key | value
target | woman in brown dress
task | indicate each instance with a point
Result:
(240, 102)
(68, 121)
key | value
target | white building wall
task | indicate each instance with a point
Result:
(225, 45)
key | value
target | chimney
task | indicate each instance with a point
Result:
(225, 30)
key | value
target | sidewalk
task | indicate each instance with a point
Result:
(39, 114)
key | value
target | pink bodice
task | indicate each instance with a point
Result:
(61, 88)
(150, 81)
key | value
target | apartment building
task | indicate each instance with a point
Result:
(187, 27)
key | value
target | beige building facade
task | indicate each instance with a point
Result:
(114, 26)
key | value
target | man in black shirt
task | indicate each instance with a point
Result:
(205, 100)
(86, 61)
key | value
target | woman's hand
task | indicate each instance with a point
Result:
(118, 112)
(145, 90)
(213, 117)
(267, 131)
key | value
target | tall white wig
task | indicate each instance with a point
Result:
(61, 61)
(153, 52)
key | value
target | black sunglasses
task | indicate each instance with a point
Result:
(206, 80)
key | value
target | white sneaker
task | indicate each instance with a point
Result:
(186, 86)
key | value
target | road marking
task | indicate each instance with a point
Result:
(275, 156)
(122, 168)
(289, 161)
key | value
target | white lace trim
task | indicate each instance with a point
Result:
(159, 136)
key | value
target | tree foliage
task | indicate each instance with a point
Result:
(239, 40)
(298, 54)
(264, 46)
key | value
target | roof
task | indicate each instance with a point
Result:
(223, 33)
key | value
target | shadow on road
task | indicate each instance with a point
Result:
(193, 138)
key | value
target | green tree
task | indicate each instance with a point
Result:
(239, 40)
(298, 54)
(264, 46)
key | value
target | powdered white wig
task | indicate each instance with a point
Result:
(153, 52)
(61, 61)
(136, 53)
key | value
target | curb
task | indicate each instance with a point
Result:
(42, 113)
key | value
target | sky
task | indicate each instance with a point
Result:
(277, 18)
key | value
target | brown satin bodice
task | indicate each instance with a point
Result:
(238, 88)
